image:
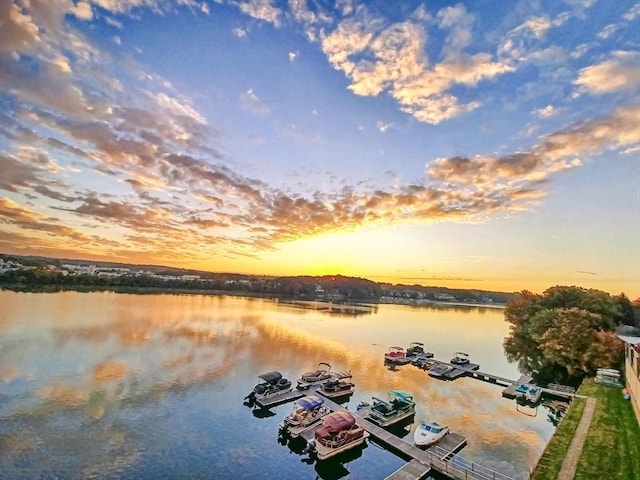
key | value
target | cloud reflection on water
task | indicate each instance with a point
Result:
(139, 350)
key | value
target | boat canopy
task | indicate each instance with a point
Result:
(335, 423)
(310, 402)
(271, 377)
(461, 354)
(417, 344)
(399, 394)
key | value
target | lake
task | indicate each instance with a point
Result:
(106, 385)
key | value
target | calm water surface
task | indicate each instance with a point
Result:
(105, 385)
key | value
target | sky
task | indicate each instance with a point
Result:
(482, 145)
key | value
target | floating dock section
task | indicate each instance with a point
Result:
(280, 398)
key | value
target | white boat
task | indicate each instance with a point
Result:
(337, 433)
(306, 412)
(273, 383)
(429, 432)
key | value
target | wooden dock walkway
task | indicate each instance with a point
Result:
(441, 457)
(280, 398)
(553, 389)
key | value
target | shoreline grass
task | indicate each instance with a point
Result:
(612, 446)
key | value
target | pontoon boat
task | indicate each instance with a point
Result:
(460, 358)
(337, 433)
(306, 412)
(272, 384)
(386, 413)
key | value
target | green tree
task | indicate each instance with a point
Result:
(626, 316)
(566, 332)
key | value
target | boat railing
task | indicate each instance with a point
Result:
(444, 459)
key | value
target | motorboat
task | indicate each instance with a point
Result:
(528, 393)
(460, 358)
(423, 361)
(336, 387)
(389, 412)
(416, 348)
(429, 432)
(396, 355)
(440, 370)
(338, 432)
(306, 412)
(272, 383)
(323, 372)
(320, 375)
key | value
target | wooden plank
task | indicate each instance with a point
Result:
(414, 470)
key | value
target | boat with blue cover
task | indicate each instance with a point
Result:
(307, 411)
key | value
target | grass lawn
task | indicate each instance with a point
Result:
(612, 446)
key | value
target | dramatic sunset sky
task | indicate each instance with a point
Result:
(492, 145)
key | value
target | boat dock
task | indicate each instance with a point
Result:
(441, 457)
(280, 398)
(472, 370)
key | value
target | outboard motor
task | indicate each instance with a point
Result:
(310, 448)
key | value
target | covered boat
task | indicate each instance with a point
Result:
(337, 386)
(429, 432)
(321, 373)
(396, 355)
(273, 383)
(338, 432)
(306, 412)
(460, 358)
(386, 413)
(416, 348)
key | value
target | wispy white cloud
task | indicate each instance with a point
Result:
(239, 32)
(620, 73)
(262, 10)
(633, 13)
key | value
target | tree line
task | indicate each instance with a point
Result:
(567, 332)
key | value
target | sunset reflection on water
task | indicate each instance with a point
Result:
(98, 384)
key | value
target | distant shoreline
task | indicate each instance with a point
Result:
(240, 293)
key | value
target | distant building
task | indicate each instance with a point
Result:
(189, 277)
(445, 296)
(9, 265)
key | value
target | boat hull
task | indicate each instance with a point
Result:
(323, 452)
